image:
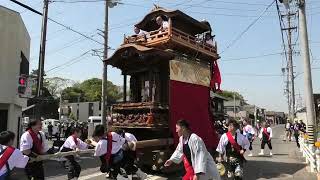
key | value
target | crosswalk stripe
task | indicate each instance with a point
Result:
(90, 176)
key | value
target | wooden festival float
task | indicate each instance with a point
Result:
(170, 73)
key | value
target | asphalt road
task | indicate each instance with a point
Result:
(285, 164)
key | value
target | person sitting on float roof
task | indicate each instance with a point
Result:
(209, 39)
(164, 25)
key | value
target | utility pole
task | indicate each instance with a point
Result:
(60, 107)
(42, 48)
(290, 86)
(288, 94)
(286, 89)
(105, 68)
(307, 71)
(290, 64)
(255, 115)
(234, 105)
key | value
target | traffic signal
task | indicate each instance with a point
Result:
(22, 85)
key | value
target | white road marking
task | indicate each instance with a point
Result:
(94, 175)
(91, 176)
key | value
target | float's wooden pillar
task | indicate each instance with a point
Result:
(150, 85)
(158, 85)
(124, 87)
(170, 27)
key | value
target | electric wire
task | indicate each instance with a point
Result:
(247, 29)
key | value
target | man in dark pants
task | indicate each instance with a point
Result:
(50, 130)
(129, 153)
(73, 143)
(296, 132)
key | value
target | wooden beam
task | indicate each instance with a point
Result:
(150, 78)
(154, 142)
(125, 87)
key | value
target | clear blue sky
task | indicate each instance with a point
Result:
(257, 78)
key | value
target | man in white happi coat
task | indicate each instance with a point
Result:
(198, 163)
(231, 147)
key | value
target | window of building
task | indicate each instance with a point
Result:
(78, 111)
(3, 120)
(24, 65)
(90, 109)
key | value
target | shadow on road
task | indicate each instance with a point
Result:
(253, 170)
(55, 168)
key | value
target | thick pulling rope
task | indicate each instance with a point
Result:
(139, 145)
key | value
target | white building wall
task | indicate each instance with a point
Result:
(96, 110)
(14, 39)
(83, 110)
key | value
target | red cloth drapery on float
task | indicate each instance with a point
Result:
(191, 102)
(216, 77)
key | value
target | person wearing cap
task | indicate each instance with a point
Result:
(33, 143)
(10, 157)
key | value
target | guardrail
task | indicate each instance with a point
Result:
(312, 158)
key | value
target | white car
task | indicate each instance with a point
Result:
(97, 120)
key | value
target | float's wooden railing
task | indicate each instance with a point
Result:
(192, 41)
(157, 37)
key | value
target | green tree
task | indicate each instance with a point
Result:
(93, 90)
(113, 92)
(230, 94)
(73, 94)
